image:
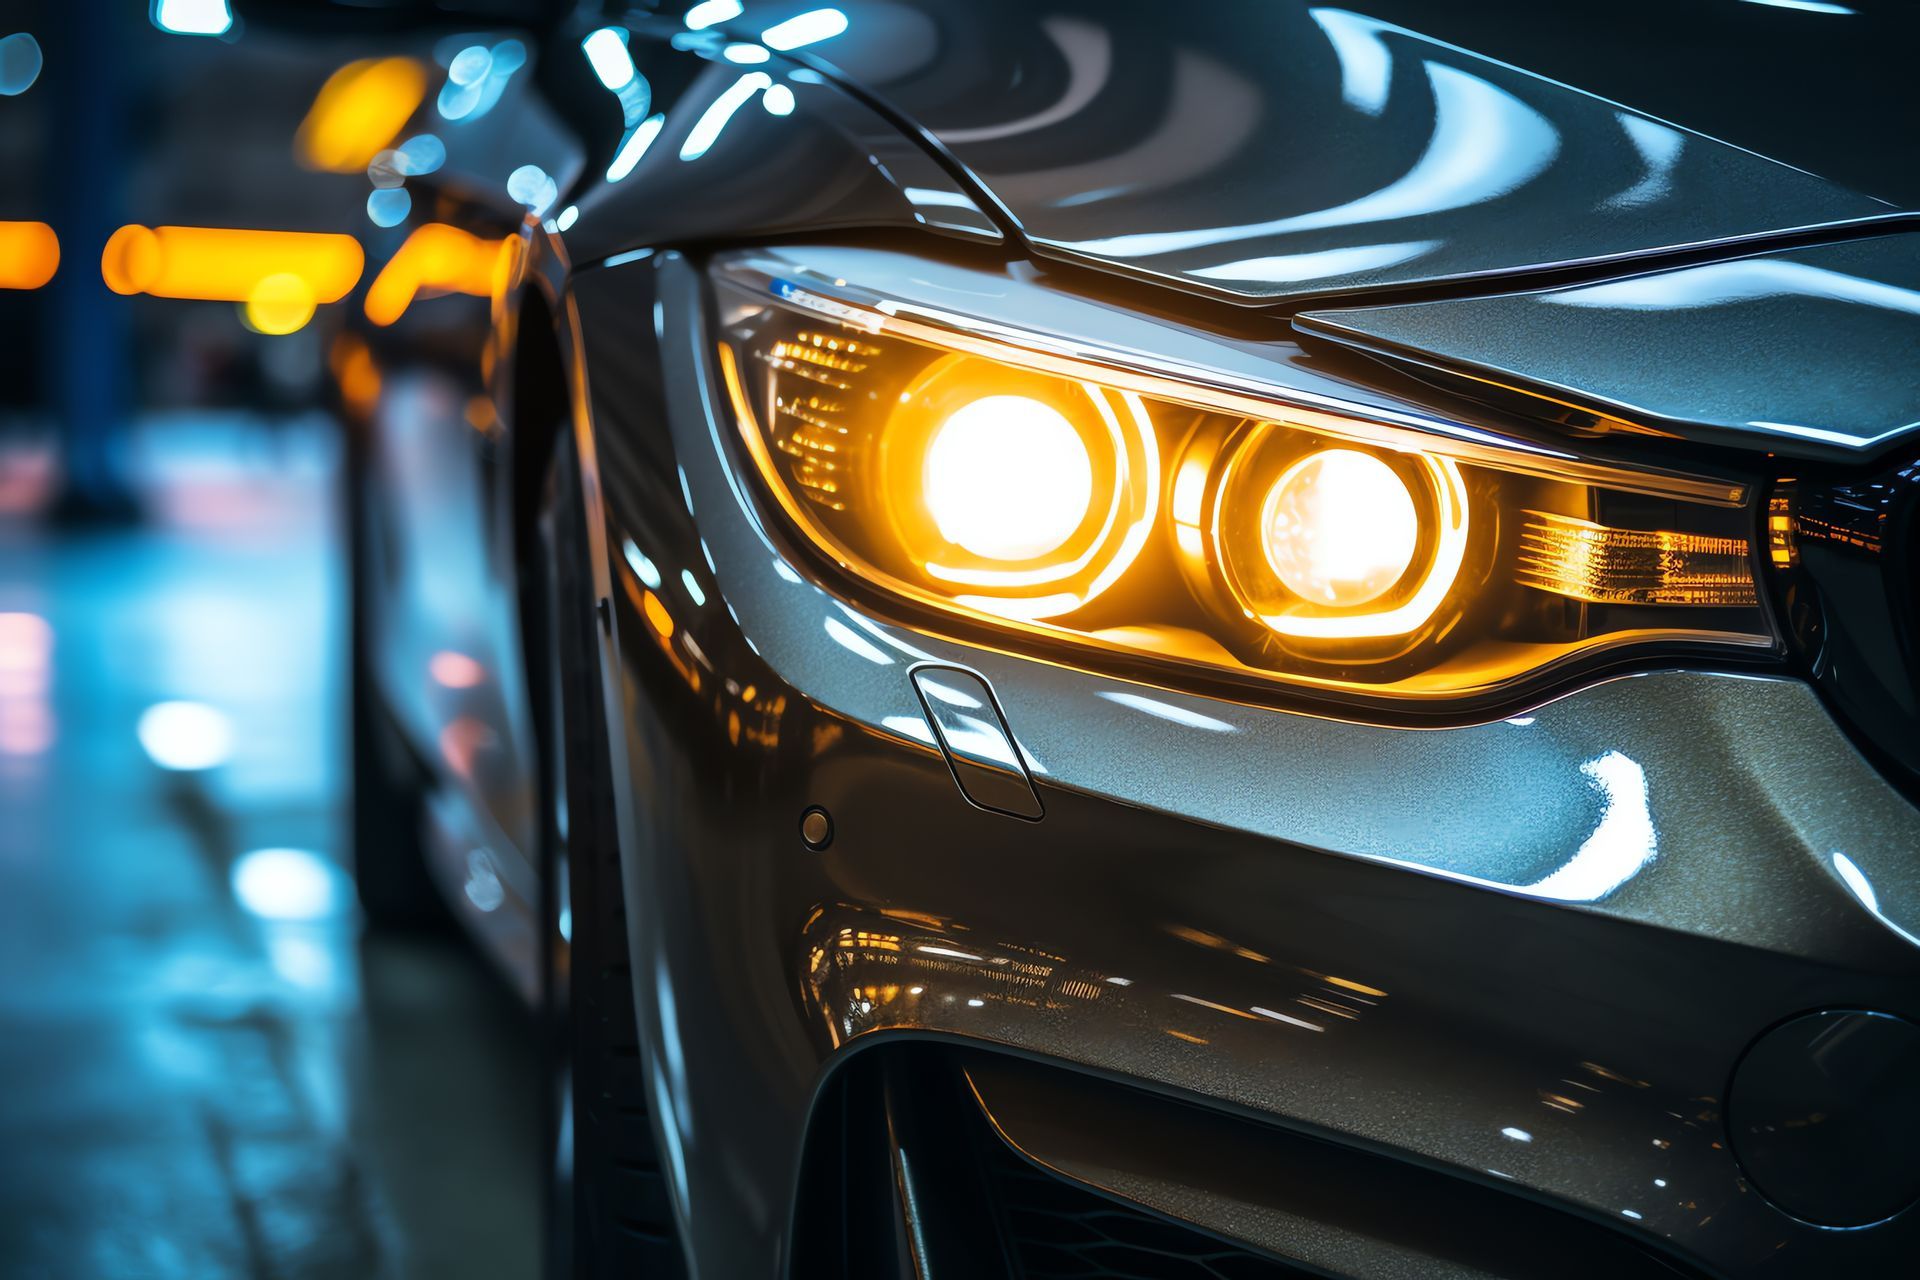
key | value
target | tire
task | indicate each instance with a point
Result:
(609, 1211)
(388, 804)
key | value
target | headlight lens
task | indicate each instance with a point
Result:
(1143, 517)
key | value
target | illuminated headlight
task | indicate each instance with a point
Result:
(1137, 518)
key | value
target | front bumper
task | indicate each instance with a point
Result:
(1526, 954)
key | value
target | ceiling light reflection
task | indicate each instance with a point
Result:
(635, 147)
(708, 12)
(706, 130)
(807, 28)
(606, 50)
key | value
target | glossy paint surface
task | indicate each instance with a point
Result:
(1524, 955)
(1566, 927)
(1308, 1201)
(1809, 349)
(717, 158)
(1281, 151)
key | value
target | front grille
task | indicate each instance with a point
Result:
(1848, 584)
(1059, 1231)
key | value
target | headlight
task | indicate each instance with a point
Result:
(1147, 515)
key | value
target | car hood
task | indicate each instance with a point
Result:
(1279, 152)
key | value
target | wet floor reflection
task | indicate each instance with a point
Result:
(205, 1071)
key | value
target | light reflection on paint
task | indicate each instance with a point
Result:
(1167, 711)
(1659, 147)
(1622, 843)
(1366, 65)
(708, 12)
(778, 100)
(1289, 267)
(1518, 1135)
(637, 560)
(1485, 144)
(945, 693)
(1862, 888)
(853, 642)
(1715, 284)
(914, 727)
(1086, 50)
(706, 130)
(606, 51)
(1809, 6)
(635, 147)
(804, 29)
(974, 738)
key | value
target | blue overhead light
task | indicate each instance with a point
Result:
(193, 17)
(606, 50)
(708, 12)
(810, 27)
(707, 128)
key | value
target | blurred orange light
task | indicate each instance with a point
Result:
(354, 370)
(359, 110)
(657, 615)
(29, 254)
(224, 264)
(436, 257)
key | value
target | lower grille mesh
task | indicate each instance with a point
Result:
(1059, 1231)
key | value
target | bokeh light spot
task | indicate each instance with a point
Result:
(20, 63)
(286, 884)
(185, 736)
(281, 303)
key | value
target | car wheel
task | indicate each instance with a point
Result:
(396, 889)
(609, 1212)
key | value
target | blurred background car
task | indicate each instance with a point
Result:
(423, 503)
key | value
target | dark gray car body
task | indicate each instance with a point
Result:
(1503, 965)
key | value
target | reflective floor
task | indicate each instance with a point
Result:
(205, 1071)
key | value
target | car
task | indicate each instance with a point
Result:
(1163, 641)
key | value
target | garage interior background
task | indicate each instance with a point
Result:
(205, 1070)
